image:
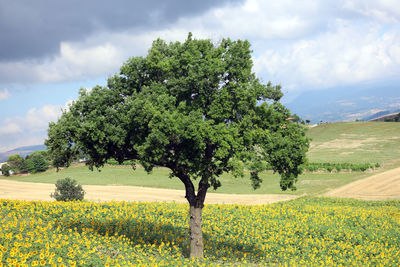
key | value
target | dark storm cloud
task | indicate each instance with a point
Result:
(33, 29)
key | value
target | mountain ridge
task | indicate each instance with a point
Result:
(346, 103)
(22, 151)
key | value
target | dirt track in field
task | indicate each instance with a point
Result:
(381, 186)
(39, 191)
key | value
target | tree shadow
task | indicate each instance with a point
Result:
(150, 233)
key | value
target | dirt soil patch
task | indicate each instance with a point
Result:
(346, 143)
(40, 191)
(382, 186)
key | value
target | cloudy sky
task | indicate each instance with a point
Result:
(49, 49)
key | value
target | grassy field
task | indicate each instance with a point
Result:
(356, 142)
(349, 142)
(309, 183)
(303, 232)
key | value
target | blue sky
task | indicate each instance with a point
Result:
(50, 49)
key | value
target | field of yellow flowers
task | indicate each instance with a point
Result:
(305, 232)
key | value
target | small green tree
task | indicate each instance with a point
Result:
(68, 189)
(5, 169)
(193, 107)
(36, 163)
(17, 163)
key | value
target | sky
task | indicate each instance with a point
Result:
(50, 49)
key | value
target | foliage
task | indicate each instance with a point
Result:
(16, 163)
(67, 189)
(303, 232)
(316, 166)
(394, 119)
(327, 166)
(43, 153)
(193, 107)
(5, 169)
(125, 163)
(36, 163)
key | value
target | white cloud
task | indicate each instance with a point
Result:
(387, 11)
(74, 62)
(349, 54)
(256, 20)
(9, 127)
(4, 94)
(30, 129)
(301, 44)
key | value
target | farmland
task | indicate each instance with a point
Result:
(356, 142)
(337, 144)
(306, 231)
(310, 183)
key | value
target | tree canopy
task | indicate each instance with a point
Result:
(16, 163)
(194, 107)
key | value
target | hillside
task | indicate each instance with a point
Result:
(346, 103)
(355, 142)
(394, 117)
(23, 151)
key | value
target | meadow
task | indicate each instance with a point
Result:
(337, 144)
(309, 183)
(356, 142)
(304, 232)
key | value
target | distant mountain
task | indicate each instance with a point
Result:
(346, 103)
(382, 114)
(23, 151)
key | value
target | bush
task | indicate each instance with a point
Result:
(67, 189)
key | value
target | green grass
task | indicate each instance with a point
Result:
(355, 142)
(309, 183)
(348, 142)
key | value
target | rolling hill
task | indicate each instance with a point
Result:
(23, 151)
(355, 142)
(346, 103)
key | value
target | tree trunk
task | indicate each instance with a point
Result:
(196, 237)
(196, 203)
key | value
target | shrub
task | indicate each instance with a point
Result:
(67, 189)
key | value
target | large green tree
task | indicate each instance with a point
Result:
(194, 107)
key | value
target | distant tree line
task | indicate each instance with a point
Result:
(393, 119)
(38, 161)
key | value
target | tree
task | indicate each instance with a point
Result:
(36, 162)
(17, 163)
(395, 118)
(193, 107)
(5, 169)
